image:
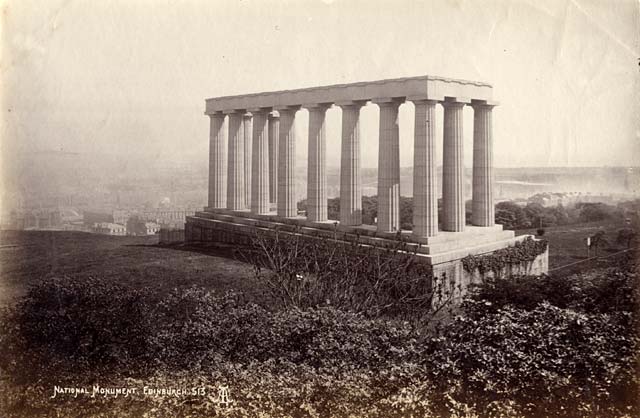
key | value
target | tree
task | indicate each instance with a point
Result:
(598, 240)
(591, 212)
(307, 272)
(406, 213)
(626, 236)
(560, 213)
(369, 209)
(506, 218)
(136, 226)
(521, 219)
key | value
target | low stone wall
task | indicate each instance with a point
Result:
(450, 276)
(171, 235)
(457, 280)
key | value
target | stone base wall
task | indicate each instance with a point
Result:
(450, 277)
(171, 235)
(457, 280)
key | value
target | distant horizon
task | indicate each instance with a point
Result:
(182, 158)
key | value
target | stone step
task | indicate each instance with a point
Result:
(361, 230)
(315, 232)
(473, 250)
(249, 226)
(468, 240)
(463, 241)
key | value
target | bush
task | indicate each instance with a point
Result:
(87, 322)
(590, 212)
(609, 290)
(548, 361)
(626, 236)
(528, 347)
(307, 272)
(523, 251)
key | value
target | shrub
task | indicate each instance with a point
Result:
(307, 272)
(528, 347)
(540, 232)
(614, 289)
(523, 251)
(89, 322)
(626, 236)
(550, 361)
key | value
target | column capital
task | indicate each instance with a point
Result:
(455, 101)
(233, 111)
(388, 101)
(259, 109)
(287, 108)
(317, 106)
(423, 99)
(351, 103)
(216, 114)
(274, 114)
(484, 104)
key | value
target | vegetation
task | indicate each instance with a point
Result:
(523, 251)
(306, 272)
(509, 214)
(546, 346)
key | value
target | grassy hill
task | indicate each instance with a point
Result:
(27, 257)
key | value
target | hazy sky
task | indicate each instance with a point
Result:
(131, 76)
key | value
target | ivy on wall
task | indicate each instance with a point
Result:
(525, 250)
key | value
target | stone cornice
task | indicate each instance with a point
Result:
(430, 87)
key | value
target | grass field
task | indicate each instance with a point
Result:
(567, 243)
(29, 256)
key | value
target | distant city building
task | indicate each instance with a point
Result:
(109, 228)
(162, 216)
(152, 228)
(572, 198)
(45, 218)
(92, 217)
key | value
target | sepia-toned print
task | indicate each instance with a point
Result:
(321, 208)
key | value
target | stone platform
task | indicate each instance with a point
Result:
(444, 252)
(442, 248)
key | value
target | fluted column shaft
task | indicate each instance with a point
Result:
(350, 180)
(248, 146)
(482, 192)
(235, 167)
(286, 164)
(274, 136)
(316, 167)
(217, 162)
(260, 163)
(425, 198)
(453, 168)
(389, 168)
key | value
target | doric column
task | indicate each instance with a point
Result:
(425, 198)
(235, 167)
(388, 167)
(316, 167)
(274, 136)
(453, 168)
(482, 192)
(260, 162)
(287, 205)
(217, 162)
(248, 146)
(350, 183)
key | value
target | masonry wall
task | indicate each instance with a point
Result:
(457, 280)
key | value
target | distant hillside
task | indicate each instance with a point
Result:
(50, 178)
